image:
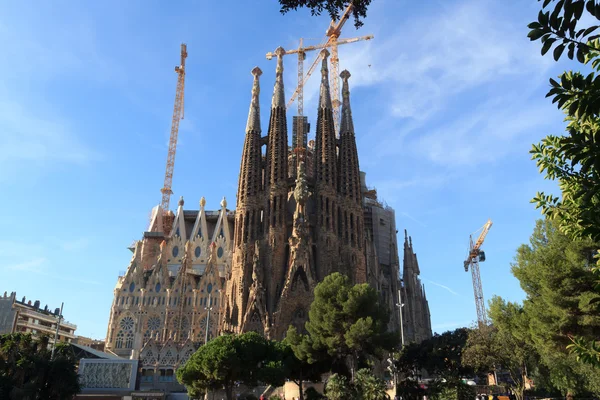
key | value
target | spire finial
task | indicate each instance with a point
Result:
(202, 202)
(325, 96)
(181, 201)
(405, 235)
(347, 124)
(410, 241)
(278, 93)
(224, 202)
(253, 124)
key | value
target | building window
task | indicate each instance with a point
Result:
(166, 375)
(129, 341)
(147, 375)
(119, 341)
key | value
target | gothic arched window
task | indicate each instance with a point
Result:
(129, 340)
(119, 340)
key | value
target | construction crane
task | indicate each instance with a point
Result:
(178, 115)
(332, 41)
(473, 258)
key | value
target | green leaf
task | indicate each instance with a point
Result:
(571, 50)
(590, 30)
(535, 34)
(547, 45)
(580, 55)
(558, 51)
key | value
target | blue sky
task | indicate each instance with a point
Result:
(447, 100)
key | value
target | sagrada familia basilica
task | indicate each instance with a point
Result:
(302, 213)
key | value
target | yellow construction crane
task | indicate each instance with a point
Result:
(332, 41)
(177, 116)
(473, 258)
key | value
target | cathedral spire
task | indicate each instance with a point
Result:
(325, 146)
(254, 113)
(276, 167)
(250, 178)
(348, 168)
(347, 124)
(278, 93)
(324, 94)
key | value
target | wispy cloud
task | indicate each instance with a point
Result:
(443, 287)
(34, 140)
(34, 265)
(441, 91)
(407, 215)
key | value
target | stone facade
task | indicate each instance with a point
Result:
(168, 300)
(415, 313)
(302, 213)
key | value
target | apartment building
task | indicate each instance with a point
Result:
(27, 317)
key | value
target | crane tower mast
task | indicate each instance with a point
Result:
(474, 257)
(332, 41)
(177, 116)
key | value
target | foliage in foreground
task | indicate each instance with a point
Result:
(347, 326)
(532, 337)
(439, 356)
(28, 373)
(333, 7)
(573, 159)
(226, 360)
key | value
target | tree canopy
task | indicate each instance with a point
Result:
(440, 356)
(555, 271)
(333, 7)
(28, 373)
(500, 346)
(297, 368)
(226, 360)
(573, 159)
(346, 324)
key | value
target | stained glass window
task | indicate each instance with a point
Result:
(127, 323)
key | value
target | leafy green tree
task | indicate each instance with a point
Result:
(226, 360)
(333, 7)
(312, 394)
(368, 386)
(573, 159)
(489, 348)
(347, 325)
(556, 274)
(440, 356)
(338, 388)
(28, 373)
(296, 368)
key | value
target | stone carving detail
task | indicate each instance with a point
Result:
(256, 299)
(106, 375)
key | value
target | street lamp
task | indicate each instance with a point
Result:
(400, 305)
(208, 308)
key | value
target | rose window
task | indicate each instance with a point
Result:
(127, 323)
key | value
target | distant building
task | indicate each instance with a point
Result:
(23, 316)
(89, 342)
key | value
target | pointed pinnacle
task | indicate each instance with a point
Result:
(253, 123)
(278, 93)
(347, 124)
(325, 95)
